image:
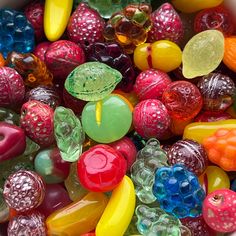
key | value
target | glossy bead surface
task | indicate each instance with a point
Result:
(62, 57)
(31, 224)
(101, 168)
(151, 119)
(221, 149)
(113, 55)
(12, 141)
(50, 166)
(24, 190)
(12, 88)
(229, 58)
(41, 49)
(219, 210)
(162, 55)
(214, 178)
(92, 81)
(182, 100)
(203, 53)
(208, 116)
(148, 160)
(17, 33)
(56, 197)
(151, 84)
(78, 217)
(190, 153)
(214, 18)
(178, 191)
(45, 94)
(127, 149)
(68, 133)
(217, 91)
(31, 68)
(107, 120)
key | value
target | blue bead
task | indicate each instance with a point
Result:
(178, 191)
(16, 33)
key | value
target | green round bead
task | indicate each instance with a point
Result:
(107, 120)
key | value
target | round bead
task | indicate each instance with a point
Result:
(182, 100)
(217, 91)
(101, 168)
(190, 153)
(31, 224)
(107, 120)
(41, 49)
(24, 190)
(151, 119)
(51, 167)
(62, 57)
(151, 84)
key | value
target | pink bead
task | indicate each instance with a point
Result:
(32, 224)
(151, 119)
(24, 190)
(127, 148)
(151, 84)
(219, 210)
(183, 100)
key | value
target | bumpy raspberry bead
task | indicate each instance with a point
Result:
(217, 18)
(24, 190)
(178, 191)
(31, 225)
(166, 24)
(12, 89)
(217, 91)
(219, 210)
(182, 100)
(151, 119)
(129, 27)
(113, 55)
(151, 84)
(189, 153)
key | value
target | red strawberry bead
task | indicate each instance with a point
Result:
(85, 25)
(151, 84)
(12, 88)
(219, 210)
(37, 121)
(34, 13)
(166, 24)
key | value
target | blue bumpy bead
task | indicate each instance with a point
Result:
(178, 191)
(16, 33)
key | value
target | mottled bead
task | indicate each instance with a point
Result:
(151, 84)
(217, 91)
(182, 99)
(16, 32)
(218, 18)
(190, 153)
(178, 191)
(151, 119)
(24, 190)
(32, 224)
(148, 160)
(113, 55)
(44, 94)
(62, 57)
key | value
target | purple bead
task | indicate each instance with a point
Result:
(190, 153)
(32, 224)
(24, 190)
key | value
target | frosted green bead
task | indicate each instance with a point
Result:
(92, 81)
(203, 53)
(68, 133)
(107, 120)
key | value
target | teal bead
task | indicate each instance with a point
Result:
(49, 165)
(92, 81)
(107, 120)
(68, 133)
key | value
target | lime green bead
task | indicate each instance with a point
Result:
(107, 120)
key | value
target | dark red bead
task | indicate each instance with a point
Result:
(41, 49)
(208, 116)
